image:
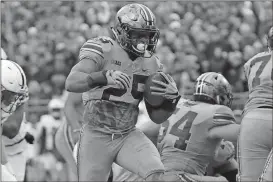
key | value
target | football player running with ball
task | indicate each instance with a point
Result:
(111, 74)
(255, 140)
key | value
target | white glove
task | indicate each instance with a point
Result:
(118, 78)
(225, 151)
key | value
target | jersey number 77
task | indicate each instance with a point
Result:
(261, 70)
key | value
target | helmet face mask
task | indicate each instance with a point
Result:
(10, 99)
(135, 32)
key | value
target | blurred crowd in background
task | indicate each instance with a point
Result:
(45, 38)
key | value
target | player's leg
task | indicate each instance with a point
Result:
(139, 155)
(95, 155)
(75, 153)
(64, 145)
(254, 143)
(267, 173)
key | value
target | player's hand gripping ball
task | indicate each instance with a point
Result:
(225, 151)
(118, 78)
(160, 87)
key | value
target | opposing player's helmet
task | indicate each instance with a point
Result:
(270, 39)
(55, 108)
(135, 29)
(14, 90)
(213, 88)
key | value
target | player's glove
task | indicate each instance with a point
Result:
(29, 138)
(118, 78)
(225, 151)
(168, 90)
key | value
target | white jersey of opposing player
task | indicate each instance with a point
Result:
(15, 150)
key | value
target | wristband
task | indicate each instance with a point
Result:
(97, 79)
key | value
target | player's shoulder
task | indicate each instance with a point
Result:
(256, 57)
(252, 61)
(223, 115)
(96, 47)
(183, 103)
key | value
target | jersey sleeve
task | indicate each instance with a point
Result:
(93, 50)
(252, 61)
(223, 116)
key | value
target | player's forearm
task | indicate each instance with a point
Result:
(72, 116)
(227, 132)
(77, 82)
(12, 126)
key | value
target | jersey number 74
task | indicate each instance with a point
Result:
(182, 134)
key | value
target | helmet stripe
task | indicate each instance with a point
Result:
(22, 74)
(152, 16)
(202, 81)
(147, 15)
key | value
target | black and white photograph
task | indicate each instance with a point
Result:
(122, 91)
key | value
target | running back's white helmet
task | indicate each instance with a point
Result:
(14, 90)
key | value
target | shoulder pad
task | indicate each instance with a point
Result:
(106, 43)
(99, 46)
(223, 116)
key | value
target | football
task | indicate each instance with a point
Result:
(154, 100)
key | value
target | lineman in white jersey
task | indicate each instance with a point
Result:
(14, 93)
